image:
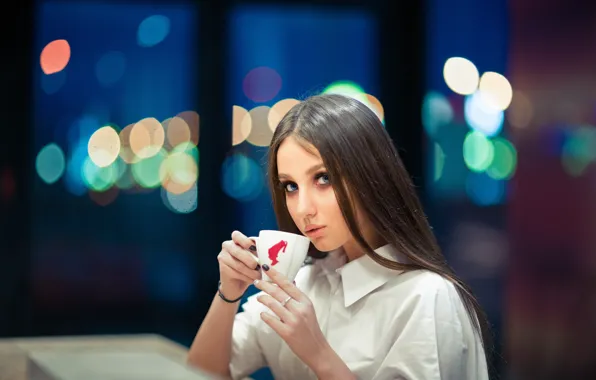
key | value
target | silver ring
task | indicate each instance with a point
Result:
(286, 301)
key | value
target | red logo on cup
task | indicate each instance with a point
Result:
(275, 250)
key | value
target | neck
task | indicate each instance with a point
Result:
(354, 251)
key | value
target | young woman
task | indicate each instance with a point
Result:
(379, 300)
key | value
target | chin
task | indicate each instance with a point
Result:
(325, 244)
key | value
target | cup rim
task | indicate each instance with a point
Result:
(284, 232)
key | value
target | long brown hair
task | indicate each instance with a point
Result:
(358, 153)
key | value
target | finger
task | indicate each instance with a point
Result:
(234, 273)
(285, 284)
(278, 294)
(241, 254)
(283, 314)
(243, 241)
(238, 266)
(275, 323)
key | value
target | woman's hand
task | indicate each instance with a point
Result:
(294, 320)
(238, 265)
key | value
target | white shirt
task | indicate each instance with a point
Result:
(384, 324)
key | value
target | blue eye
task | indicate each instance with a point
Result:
(289, 187)
(322, 179)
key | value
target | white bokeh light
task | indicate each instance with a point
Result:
(461, 75)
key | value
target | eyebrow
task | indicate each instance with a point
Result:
(311, 170)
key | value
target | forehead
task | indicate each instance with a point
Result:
(294, 159)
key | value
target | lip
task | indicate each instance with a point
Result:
(314, 231)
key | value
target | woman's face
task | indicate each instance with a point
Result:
(310, 197)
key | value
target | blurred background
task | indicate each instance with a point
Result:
(135, 135)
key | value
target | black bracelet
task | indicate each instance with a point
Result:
(224, 297)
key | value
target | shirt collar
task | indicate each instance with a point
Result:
(363, 275)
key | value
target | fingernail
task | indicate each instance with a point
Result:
(265, 267)
(256, 282)
(258, 267)
(294, 282)
(253, 248)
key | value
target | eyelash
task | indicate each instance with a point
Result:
(318, 176)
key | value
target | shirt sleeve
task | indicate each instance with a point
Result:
(247, 355)
(429, 339)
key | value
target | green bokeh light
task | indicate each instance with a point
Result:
(439, 162)
(478, 151)
(188, 148)
(98, 178)
(579, 150)
(147, 172)
(504, 162)
(347, 88)
(50, 163)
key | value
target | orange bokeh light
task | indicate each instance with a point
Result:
(55, 56)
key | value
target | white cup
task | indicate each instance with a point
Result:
(283, 251)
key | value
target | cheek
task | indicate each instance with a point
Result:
(291, 206)
(334, 216)
(330, 205)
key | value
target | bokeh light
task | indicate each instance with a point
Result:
(504, 161)
(260, 133)
(485, 191)
(242, 178)
(496, 90)
(74, 168)
(192, 120)
(520, 111)
(125, 179)
(183, 203)
(126, 152)
(51, 84)
(347, 88)
(104, 146)
(261, 84)
(104, 198)
(176, 130)
(188, 148)
(481, 116)
(153, 30)
(147, 137)
(81, 129)
(50, 163)
(436, 112)
(579, 150)
(241, 125)
(355, 91)
(461, 75)
(8, 184)
(375, 105)
(478, 151)
(174, 187)
(110, 68)
(179, 172)
(147, 171)
(98, 178)
(279, 110)
(438, 163)
(55, 56)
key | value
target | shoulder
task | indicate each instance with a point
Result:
(422, 284)
(430, 321)
(428, 293)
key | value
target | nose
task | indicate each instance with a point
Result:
(306, 205)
